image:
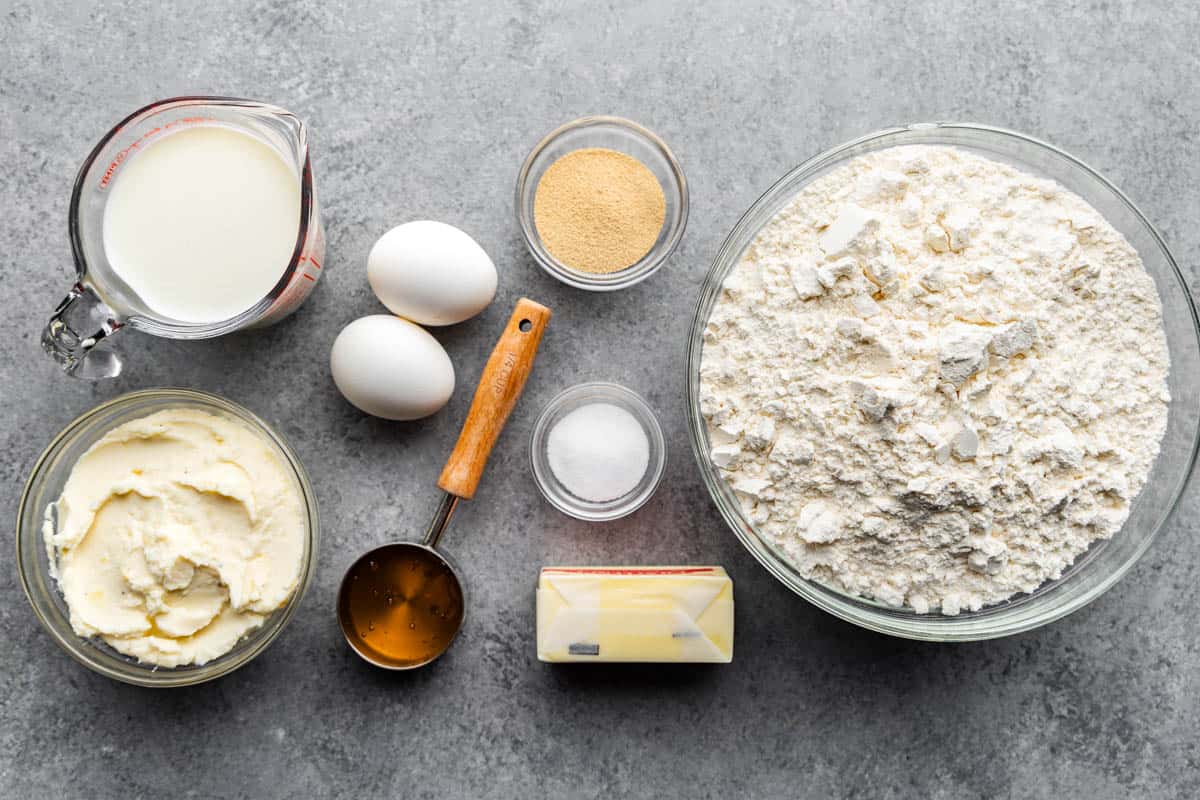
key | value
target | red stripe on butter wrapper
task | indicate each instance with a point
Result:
(628, 570)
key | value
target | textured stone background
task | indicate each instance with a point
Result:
(426, 110)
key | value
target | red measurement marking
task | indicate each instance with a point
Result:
(315, 263)
(120, 157)
(310, 277)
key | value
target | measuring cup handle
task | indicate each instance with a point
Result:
(499, 387)
(67, 341)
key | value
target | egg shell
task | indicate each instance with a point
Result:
(431, 273)
(391, 368)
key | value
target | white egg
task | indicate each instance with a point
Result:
(431, 273)
(391, 368)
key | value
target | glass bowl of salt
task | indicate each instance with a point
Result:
(597, 452)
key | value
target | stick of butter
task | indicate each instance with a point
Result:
(635, 614)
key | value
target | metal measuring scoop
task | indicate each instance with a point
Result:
(401, 605)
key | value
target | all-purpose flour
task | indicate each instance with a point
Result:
(935, 380)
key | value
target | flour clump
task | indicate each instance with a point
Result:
(934, 380)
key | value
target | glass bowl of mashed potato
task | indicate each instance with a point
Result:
(165, 537)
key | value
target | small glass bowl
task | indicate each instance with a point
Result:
(613, 133)
(45, 486)
(557, 494)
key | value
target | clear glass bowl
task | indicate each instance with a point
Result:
(45, 485)
(623, 136)
(1104, 563)
(558, 495)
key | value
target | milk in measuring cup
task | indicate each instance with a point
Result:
(201, 223)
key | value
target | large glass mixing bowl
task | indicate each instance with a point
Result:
(1105, 562)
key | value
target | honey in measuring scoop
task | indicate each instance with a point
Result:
(401, 605)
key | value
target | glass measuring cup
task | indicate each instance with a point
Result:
(100, 303)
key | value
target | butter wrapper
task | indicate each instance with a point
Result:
(647, 614)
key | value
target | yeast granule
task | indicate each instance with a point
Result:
(598, 210)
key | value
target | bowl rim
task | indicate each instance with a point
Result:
(633, 274)
(841, 605)
(169, 677)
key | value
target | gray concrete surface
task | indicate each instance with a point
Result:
(426, 110)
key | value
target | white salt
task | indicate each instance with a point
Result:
(598, 452)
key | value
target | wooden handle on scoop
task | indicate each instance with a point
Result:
(499, 387)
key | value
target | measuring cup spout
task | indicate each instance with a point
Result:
(77, 329)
